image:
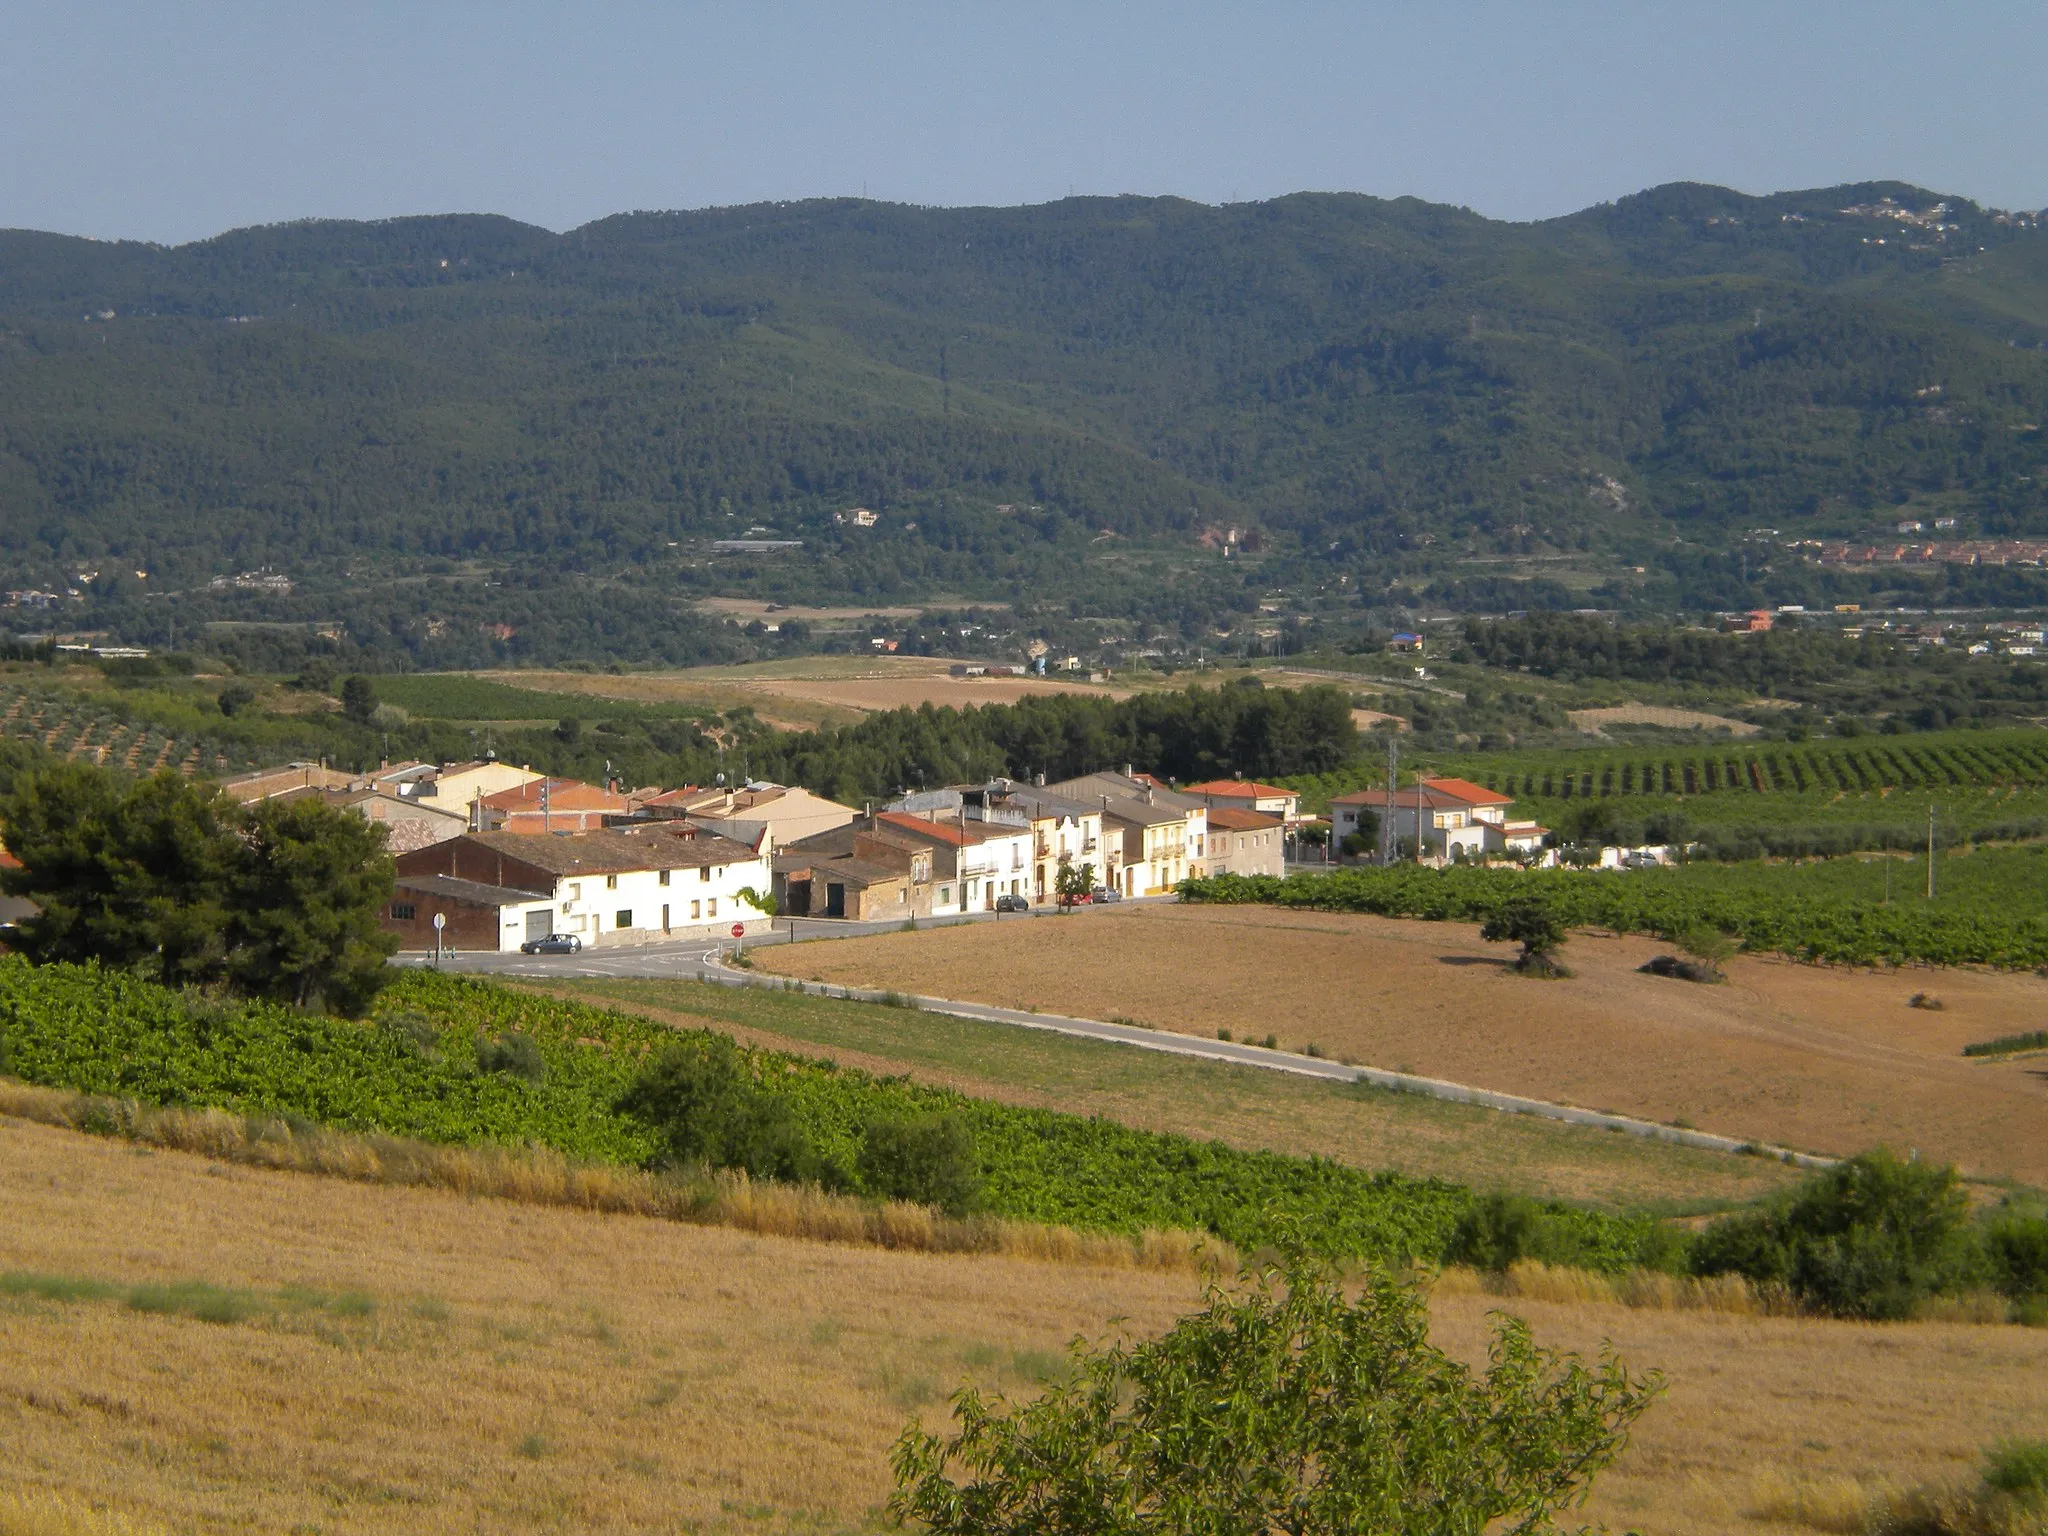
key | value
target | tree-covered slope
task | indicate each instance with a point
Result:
(1359, 379)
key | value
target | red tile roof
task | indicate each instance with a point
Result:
(1248, 789)
(563, 795)
(1467, 791)
(1230, 819)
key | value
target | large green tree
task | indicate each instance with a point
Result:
(310, 883)
(174, 880)
(1284, 1406)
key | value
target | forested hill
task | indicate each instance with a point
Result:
(1362, 381)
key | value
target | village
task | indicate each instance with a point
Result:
(493, 857)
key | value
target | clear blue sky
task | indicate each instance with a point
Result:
(173, 121)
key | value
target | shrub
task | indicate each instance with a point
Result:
(1500, 1231)
(2016, 1251)
(1871, 1237)
(929, 1159)
(1530, 921)
(514, 1054)
(415, 1033)
(2019, 1467)
(1286, 1406)
(1706, 944)
(704, 1103)
(2007, 1045)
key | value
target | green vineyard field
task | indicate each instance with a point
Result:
(102, 1032)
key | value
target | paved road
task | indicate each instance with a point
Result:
(694, 960)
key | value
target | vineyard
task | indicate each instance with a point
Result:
(1836, 795)
(1936, 762)
(1989, 908)
(88, 729)
(99, 1032)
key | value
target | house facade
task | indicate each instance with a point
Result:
(1246, 843)
(603, 887)
(1442, 818)
(974, 861)
(1107, 788)
(1152, 847)
(1063, 830)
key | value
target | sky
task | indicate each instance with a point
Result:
(171, 122)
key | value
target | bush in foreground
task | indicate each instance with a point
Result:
(1283, 1407)
(1876, 1237)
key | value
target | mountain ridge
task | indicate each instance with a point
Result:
(1377, 385)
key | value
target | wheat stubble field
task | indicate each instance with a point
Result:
(511, 1368)
(1824, 1058)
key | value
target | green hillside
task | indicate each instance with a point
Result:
(1068, 393)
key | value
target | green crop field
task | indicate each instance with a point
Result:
(1990, 905)
(461, 696)
(1825, 796)
(100, 1032)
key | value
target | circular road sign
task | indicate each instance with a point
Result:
(440, 920)
(739, 930)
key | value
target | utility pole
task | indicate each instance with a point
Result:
(1930, 850)
(1387, 821)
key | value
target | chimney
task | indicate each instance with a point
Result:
(1039, 778)
(1148, 794)
(1127, 772)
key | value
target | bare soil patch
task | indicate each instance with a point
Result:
(508, 1368)
(815, 691)
(1595, 721)
(1822, 1058)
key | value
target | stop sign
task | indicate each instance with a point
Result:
(739, 930)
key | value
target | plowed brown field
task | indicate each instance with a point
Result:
(511, 1368)
(1821, 1058)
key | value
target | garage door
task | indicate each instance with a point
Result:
(540, 924)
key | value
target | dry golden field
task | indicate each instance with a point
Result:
(818, 690)
(412, 1360)
(1821, 1058)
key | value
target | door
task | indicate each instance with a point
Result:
(664, 917)
(835, 900)
(540, 924)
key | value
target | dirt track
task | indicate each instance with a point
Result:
(1826, 1059)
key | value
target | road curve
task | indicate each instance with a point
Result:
(1234, 1053)
(690, 962)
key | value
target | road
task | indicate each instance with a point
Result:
(694, 960)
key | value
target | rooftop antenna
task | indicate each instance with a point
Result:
(1387, 822)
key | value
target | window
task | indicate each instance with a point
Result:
(611, 882)
(664, 877)
(575, 890)
(704, 872)
(696, 909)
(945, 895)
(403, 911)
(711, 907)
(625, 918)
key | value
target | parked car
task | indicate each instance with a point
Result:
(1013, 903)
(553, 944)
(1103, 893)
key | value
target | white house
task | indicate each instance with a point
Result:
(1443, 818)
(1063, 831)
(603, 887)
